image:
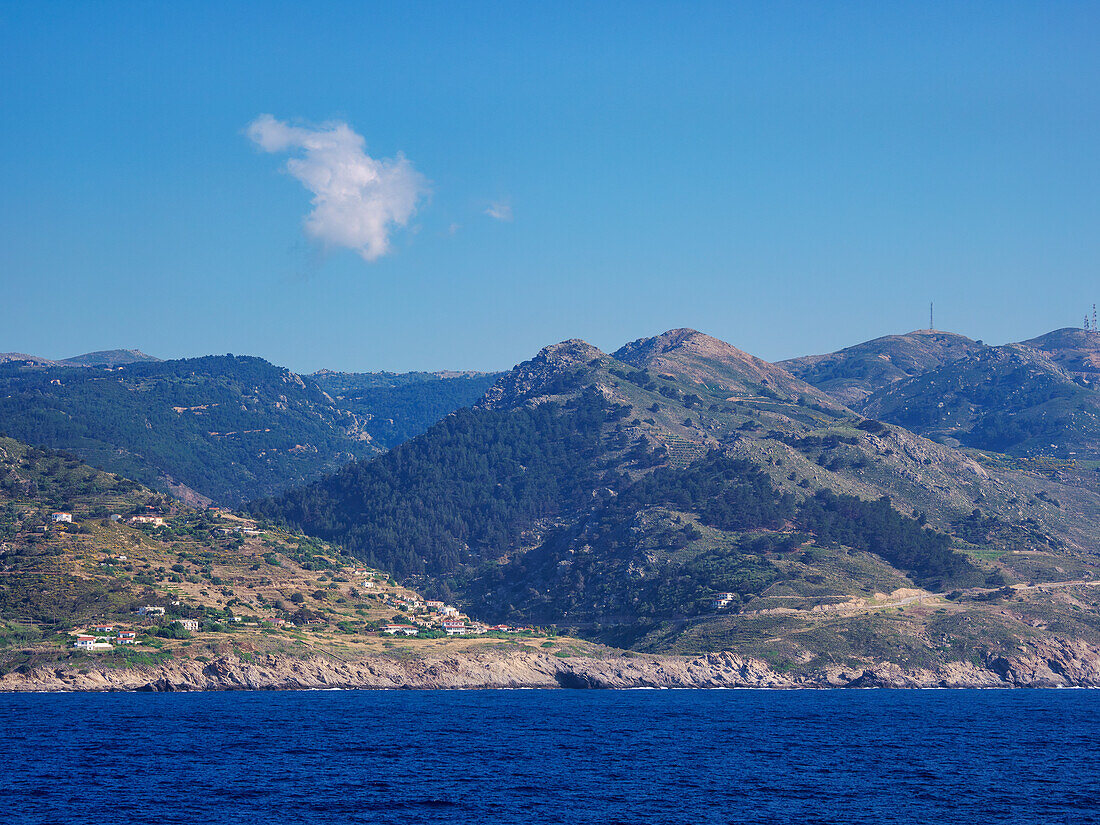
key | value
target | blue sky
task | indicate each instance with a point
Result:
(790, 177)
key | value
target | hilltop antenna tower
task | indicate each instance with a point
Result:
(1086, 322)
(1094, 317)
(931, 325)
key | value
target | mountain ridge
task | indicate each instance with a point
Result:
(518, 506)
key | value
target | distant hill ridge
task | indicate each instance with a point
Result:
(1030, 399)
(220, 429)
(103, 358)
(855, 372)
(110, 358)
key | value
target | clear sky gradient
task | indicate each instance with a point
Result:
(790, 177)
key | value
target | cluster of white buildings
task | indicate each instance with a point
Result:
(452, 627)
(154, 520)
(443, 617)
(107, 636)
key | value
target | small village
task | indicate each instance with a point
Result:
(180, 616)
(430, 617)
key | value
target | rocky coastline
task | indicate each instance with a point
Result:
(1052, 664)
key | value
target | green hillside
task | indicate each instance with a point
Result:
(219, 428)
(249, 589)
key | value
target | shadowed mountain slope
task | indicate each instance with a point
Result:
(397, 406)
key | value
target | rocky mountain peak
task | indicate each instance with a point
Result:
(642, 352)
(694, 356)
(528, 380)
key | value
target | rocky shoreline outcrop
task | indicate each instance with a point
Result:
(1055, 663)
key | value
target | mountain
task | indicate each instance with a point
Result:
(691, 356)
(1077, 351)
(105, 358)
(109, 358)
(853, 373)
(1013, 399)
(681, 495)
(397, 406)
(218, 428)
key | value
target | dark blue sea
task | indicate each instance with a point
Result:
(552, 756)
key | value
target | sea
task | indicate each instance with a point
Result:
(554, 756)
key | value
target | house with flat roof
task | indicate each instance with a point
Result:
(454, 627)
(90, 643)
(156, 521)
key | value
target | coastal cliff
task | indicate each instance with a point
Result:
(1054, 663)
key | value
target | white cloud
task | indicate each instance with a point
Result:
(357, 200)
(501, 210)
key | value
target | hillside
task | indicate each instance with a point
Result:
(397, 406)
(690, 356)
(252, 591)
(1012, 399)
(855, 372)
(1077, 351)
(1032, 400)
(219, 428)
(622, 498)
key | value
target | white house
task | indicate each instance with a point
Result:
(722, 600)
(454, 627)
(150, 610)
(190, 625)
(90, 643)
(406, 629)
(59, 518)
(156, 521)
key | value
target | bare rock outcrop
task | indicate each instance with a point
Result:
(529, 380)
(1052, 663)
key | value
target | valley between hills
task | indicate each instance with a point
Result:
(918, 510)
